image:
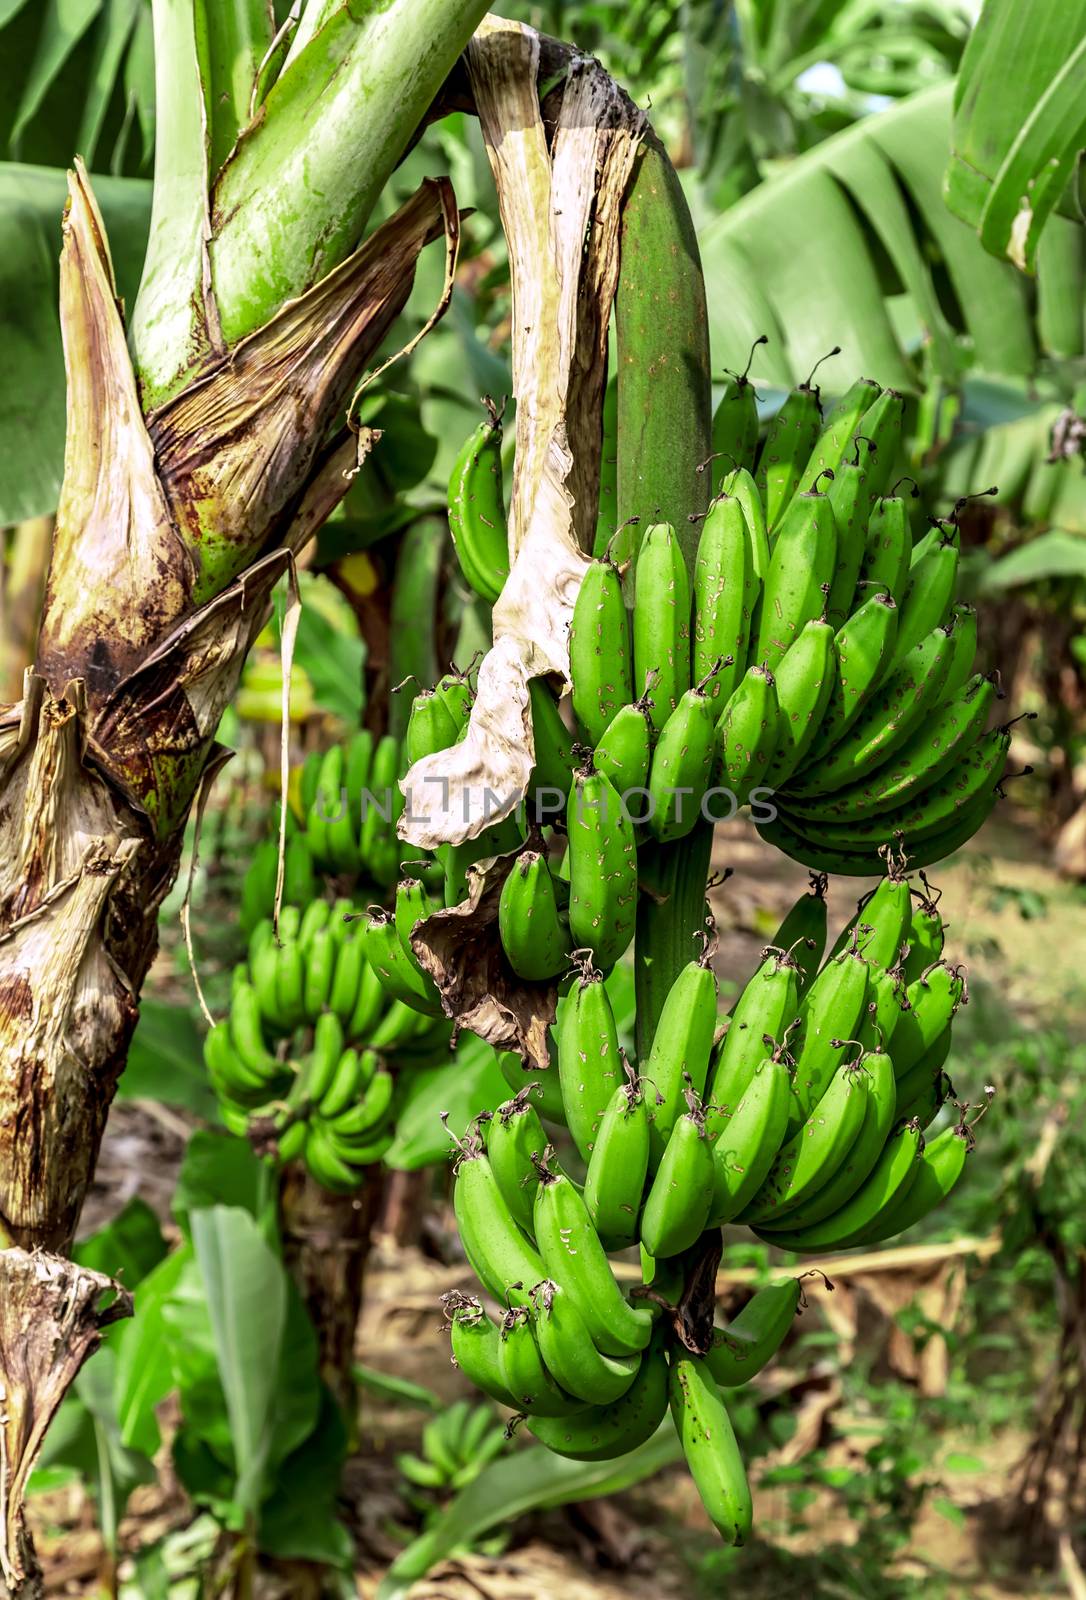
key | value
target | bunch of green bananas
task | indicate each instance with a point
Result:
(456, 1445)
(817, 661)
(310, 1023)
(804, 1118)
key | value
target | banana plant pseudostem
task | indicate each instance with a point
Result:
(205, 444)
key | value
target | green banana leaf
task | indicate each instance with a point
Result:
(1019, 123)
(32, 375)
(852, 243)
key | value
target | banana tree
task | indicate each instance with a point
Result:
(207, 439)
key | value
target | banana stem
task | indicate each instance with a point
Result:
(670, 917)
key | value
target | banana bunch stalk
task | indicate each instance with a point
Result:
(802, 1115)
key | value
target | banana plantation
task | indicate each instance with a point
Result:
(542, 799)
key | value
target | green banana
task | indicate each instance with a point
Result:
(430, 727)
(600, 665)
(964, 619)
(741, 486)
(682, 767)
(331, 1171)
(888, 546)
(804, 682)
(954, 726)
(792, 436)
(879, 1115)
(618, 1166)
(882, 923)
(554, 758)
(747, 1144)
(885, 723)
(576, 1260)
(740, 1351)
(887, 1185)
(839, 429)
(590, 1065)
(862, 647)
(329, 805)
(830, 1014)
(681, 1194)
(603, 1432)
(800, 573)
(503, 1260)
(861, 862)
(324, 1056)
(378, 845)
(929, 596)
(515, 1145)
(767, 1006)
(566, 1347)
(625, 749)
(314, 919)
(709, 1445)
(602, 867)
(803, 932)
(681, 1046)
(523, 1372)
(881, 424)
(354, 1123)
(475, 1345)
(850, 496)
(401, 976)
(369, 999)
(536, 941)
(812, 1156)
(661, 620)
(938, 1170)
(414, 904)
(735, 421)
(926, 933)
(747, 733)
(932, 1001)
(246, 1033)
(320, 966)
(725, 591)
(477, 509)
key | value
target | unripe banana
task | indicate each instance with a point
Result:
(661, 620)
(681, 1046)
(709, 1445)
(888, 547)
(682, 766)
(887, 1186)
(534, 937)
(840, 428)
(590, 1064)
(804, 682)
(577, 1262)
(564, 1343)
(928, 597)
(801, 570)
(850, 494)
(501, 1257)
(741, 1350)
(678, 1202)
(430, 727)
(735, 424)
(602, 1433)
(863, 648)
(830, 1014)
(792, 436)
(938, 1170)
(599, 650)
(515, 1145)
(747, 733)
(524, 1373)
(618, 1166)
(602, 867)
(813, 1155)
(624, 752)
(477, 510)
(803, 931)
(748, 1141)
(726, 590)
(475, 1345)
(767, 1006)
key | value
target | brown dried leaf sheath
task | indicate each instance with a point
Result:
(461, 950)
(560, 210)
